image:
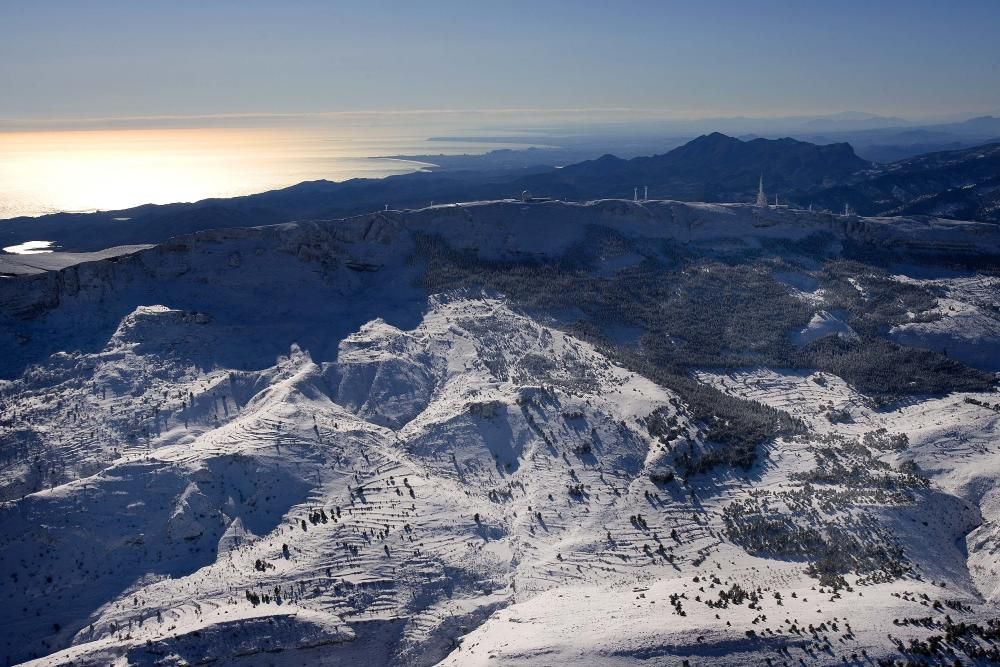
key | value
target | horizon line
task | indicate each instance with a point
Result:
(625, 114)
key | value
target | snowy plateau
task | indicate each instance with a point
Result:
(506, 433)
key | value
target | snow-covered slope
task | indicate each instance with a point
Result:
(273, 446)
(423, 450)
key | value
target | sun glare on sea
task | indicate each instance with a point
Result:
(112, 169)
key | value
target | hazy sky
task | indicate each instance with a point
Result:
(87, 58)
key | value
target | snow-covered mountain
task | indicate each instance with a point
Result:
(507, 433)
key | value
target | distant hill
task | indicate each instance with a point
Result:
(889, 144)
(88, 232)
(853, 120)
(961, 184)
(977, 127)
(713, 167)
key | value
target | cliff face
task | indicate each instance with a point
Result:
(501, 229)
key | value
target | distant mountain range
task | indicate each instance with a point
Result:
(713, 167)
(891, 143)
(962, 184)
(958, 184)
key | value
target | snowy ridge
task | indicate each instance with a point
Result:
(272, 446)
(405, 496)
(505, 229)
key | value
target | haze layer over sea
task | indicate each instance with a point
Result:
(86, 169)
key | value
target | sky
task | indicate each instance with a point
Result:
(123, 58)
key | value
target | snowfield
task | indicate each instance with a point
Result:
(279, 446)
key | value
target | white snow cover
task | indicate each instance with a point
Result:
(824, 324)
(268, 446)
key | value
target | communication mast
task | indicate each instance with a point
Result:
(761, 197)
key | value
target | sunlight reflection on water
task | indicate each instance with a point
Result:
(29, 248)
(85, 170)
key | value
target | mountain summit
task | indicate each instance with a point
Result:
(712, 167)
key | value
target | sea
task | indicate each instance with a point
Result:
(92, 169)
